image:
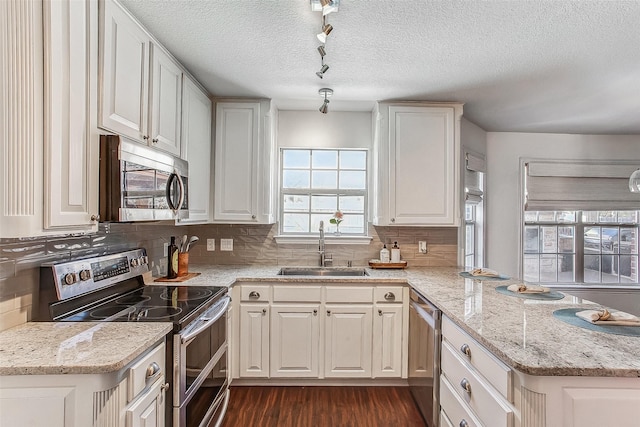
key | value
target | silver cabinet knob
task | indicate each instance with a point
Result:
(95, 217)
(466, 385)
(379, 312)
(328, 312)
(155, 141)
(465, 350)
(164, 387)
(264, 311)
(390, 296)
(254, 294)
(253, 217)
(464, 423)
(393, 220)
(145, 137)
(315, 312)
(152, 370)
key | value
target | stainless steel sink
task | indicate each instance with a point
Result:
(319, 271)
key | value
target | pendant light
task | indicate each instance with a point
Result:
(634, 181)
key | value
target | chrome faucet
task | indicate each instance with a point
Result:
(321, 244)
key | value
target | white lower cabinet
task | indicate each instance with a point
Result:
(295, 339)
(254, 340)
(148, 410)
(348, 336)
(317, 331)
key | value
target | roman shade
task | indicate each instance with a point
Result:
(474, 168)
(579, 185)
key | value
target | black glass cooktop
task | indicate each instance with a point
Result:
(177, 304)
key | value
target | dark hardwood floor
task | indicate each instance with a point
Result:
(321, 406)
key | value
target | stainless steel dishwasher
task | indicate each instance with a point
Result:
(425, 323)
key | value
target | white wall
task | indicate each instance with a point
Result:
(472, 137)
(504, 151)
(339, 129)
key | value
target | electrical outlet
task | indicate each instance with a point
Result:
(422, 247)
(211, 245)
(165, 250)
(226, 245)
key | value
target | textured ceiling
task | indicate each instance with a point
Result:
(529, 66)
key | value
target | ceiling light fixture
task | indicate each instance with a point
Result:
(634, 181)
(322, 51)
(323, 70)
(326, 30)
(326, 6)
(326, 92)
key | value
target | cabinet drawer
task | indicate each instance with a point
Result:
(388, 294)
(481, 398)
(145, 371)
(255, 293)
(349, 294)
(454, 410)
(297, 294)
(496, 372)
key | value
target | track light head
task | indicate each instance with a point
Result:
(324, 108)
(322, 51)
(326, 30)
(323, 70)
(326, 92)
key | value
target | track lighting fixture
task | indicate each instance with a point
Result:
(326, 92)
(323, 70)
(322, 51)
(634, 181)
(326, 6)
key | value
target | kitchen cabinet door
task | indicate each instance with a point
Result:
(70, 137)
(387, 340)
(124, 73)
(254, 340)
(418, 164)
(244, 160)
(295, 339)
(348, 334)
(166, 99)
(196, 145)
(148, 409)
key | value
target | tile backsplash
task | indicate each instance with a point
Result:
(20, 259)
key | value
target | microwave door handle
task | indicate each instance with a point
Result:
(172, 177)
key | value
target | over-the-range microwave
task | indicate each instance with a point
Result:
(139, 183)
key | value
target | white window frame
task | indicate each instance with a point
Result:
(312, 235)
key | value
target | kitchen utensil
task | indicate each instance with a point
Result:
(183, 245)
(192, 241)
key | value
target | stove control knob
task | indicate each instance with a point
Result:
(144, 260)
(70, 278)
(134, 262)
(85, 275)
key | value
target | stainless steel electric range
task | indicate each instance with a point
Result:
(110, 288)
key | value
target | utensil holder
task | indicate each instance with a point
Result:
(183, 264)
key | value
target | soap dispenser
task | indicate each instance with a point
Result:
(384, 254)
(395, 253)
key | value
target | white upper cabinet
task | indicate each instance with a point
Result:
(196, 149)
(140, 85)
(70, 134)
(244, 160)
(417, 147)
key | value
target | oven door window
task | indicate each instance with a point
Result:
(206, 371)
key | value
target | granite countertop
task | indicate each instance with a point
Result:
(521, 332)
(46, 348)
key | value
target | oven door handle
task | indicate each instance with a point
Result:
(208, 317)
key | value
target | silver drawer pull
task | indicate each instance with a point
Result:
(389, 296)
(152, 370)
(466, 350)
(164, 387)
(254, 294)
(464, 423)
(466, 385)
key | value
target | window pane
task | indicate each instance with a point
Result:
(296, 159)
(548, 268)
(353, 180)
(327, 204)
(296, 203)
(546, 216)
(353, 160)
(531, 243)
(628, 269)
(315, 222)
(295, 223)
(607, 216)
(324, 159)
(531, 272)
(567, 216)
(530, 216)
(565, 268)
(549, 239)
(589, 217)
(628, 240)
(352, 224)
(609, 269)
(628, 217)
(609, 239)
(324, 179)
(565, 239)
(352, 204)
(295, 179)
(592, 269)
